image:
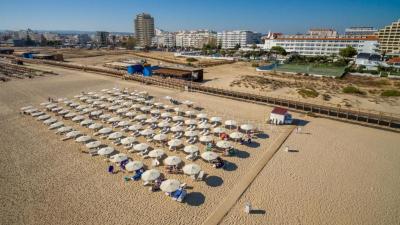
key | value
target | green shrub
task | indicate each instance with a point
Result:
(353, 90)
(308, 93)
(390, 93)
(191, 60)
(254, 64)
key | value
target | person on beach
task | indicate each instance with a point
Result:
(111, 169)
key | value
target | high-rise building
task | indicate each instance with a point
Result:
(389, 38)
(101, 38)
(360, 31)
(231, 39)
(144, 29)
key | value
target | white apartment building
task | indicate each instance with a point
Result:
(164, 39)
(195, 39)
(229, 39)
(315, 45)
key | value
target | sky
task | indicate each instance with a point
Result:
(289, 16)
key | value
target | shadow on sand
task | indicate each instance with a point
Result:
(242, 154)
(214, 181)
(230, 166)
(195, 199)
(262, 135)
(253, 144)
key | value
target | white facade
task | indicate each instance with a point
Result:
(164, 39)
(230, 39)
(307, 45)
(194, 39)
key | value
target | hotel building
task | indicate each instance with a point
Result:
(230, 39)
(389, 38)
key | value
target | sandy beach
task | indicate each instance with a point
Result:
(341, 174)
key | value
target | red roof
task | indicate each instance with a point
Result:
(394, 60)
(280, 111)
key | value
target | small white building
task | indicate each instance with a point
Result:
(280, 116)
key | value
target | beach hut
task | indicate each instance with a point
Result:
(280, 116)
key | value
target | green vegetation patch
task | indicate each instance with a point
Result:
(353, 90)
(308, 92)
(390, 93)
(191, 60)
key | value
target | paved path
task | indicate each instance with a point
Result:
(237, 191)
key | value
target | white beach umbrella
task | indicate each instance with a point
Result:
(158, 104)
(122, 110)
(106, 150)
(63, 112)
(57, 109)
(42, 104)
(128, 140)
(56, 125)
(155, 111)
(115, 135)
(230, 123)
(86, 122)
(114, 119)
(147, 132)
(167, 107)
(236, 135)
(127, 103)
(204, 126)
(93, 144)
(84, 138)
(105, 130)
(151, 120)
(123, 123)
(178, 118)
(191, 169)
(215, 119)
(168, 97)
(73, 134)
(206, 138)
(191, 133)
(224, 144)
(78, 118)
(140, 117)
(160, 137)
(117, 158)
(136, 106)
(190, 113)
(191, 149)
(177, 129)
(141, 147)
(70, 115)
(81, 107)
(166, 115)
(177, 109)
(105, 116)
(174, 143)
(133, 166)
(145, 109)
(26, 108)
(190, 122)
(36, 114)
(188, 103)
(130, 114)
(95, 126)
(209, 155)
(172, 160)
(74, 104)
(43, 117)
(64, 129)
(51, 106)
(149, 102)
(31, 110)
(50, 121)
(170, 185)
(247, 127)
(96, 113)
(219, 130)
(201, 116)
(135, 127)
(163, 124)
(156, 153)
(150, 175)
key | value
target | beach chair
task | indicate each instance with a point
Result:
(181, 196)
(200, 176)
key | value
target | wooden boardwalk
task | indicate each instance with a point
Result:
(233, 196)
